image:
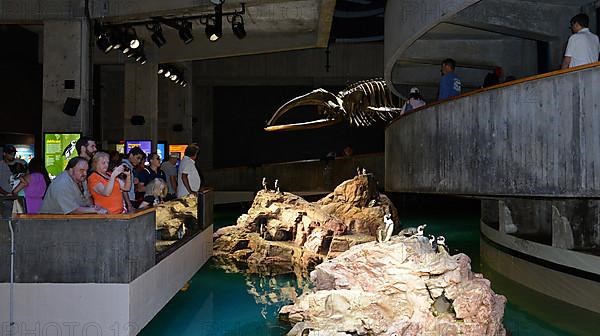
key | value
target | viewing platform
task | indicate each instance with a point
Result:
(101, 272)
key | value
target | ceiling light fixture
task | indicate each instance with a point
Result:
(237, 26)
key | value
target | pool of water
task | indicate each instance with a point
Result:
(232, 304)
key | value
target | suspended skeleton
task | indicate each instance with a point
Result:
(361, 104)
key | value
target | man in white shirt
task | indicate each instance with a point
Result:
(188, 178)
(583, 46)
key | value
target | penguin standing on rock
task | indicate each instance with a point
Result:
(264, 184)
(276, 185)
(385, 233)
(441, 245)
(433, 242)
(357, 171)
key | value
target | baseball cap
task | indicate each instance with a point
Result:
(414, 90)
(9, 149)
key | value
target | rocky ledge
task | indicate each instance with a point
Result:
(284, 233)
(404, 286)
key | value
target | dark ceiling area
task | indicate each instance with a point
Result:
(357, 21)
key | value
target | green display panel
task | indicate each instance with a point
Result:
(58, 149)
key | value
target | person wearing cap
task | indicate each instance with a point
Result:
(415, 100)
(169, 167)
(8, 156)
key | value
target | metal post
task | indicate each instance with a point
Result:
(12, 277)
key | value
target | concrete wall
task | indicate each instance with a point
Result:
(310, 175)
(79, 251)
(537, 138)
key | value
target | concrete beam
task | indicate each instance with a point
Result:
(524, 19)
(36, 11)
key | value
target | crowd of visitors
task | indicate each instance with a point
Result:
(99, 182)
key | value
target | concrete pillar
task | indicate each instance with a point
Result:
(66, 75)
(204, 126)
(175, 108)
(141, 99)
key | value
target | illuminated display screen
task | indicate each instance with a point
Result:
(160, 149)
(177, 149)
(58, 149)
(25, 152)
(145, 145)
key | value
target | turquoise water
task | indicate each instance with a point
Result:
(219, 303)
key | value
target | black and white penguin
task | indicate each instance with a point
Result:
(385, 233)
(441, 244)
(69, 149)
(264, 183)
(357, 171)
(433, 242)
(262, 228)
(276, 185)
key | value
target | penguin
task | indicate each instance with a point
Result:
(181, 231)
(372, 203)
(276, 185)
(264, 183)
(357, 171)
(384, 233)
(420, 230)
(69, 149)
(262, 228)
(364, 171)
(441, 245)
(433, 242)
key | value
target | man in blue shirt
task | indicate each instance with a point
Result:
(450, 84)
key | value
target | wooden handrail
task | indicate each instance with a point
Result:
(499, 86)
(86, 216)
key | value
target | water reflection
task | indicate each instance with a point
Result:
(529, 312)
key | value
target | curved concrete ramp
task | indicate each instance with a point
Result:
(533, 137)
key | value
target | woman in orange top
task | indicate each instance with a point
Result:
(107, 190)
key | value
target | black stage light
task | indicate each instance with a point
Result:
(160, 70)
(185, 32)
(115, 38)
(157, 35)
(237, 26)
(131, 38)
(104, 44)
(214, 29)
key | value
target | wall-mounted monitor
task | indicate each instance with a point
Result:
(145, 145)
(161, 148)
(25, 152)
(177, 149)
(59, 148)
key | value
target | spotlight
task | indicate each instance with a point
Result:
(214, 29)
(160, 70)
(237, 25)
(185, 32)
(167, 74)
(173, 77)
(130, 38)
(115, 39)
(157, 35)
(103, 43)
(102, 40)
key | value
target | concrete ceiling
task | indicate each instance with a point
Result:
(271, 26)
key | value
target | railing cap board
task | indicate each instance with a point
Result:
(499, 86)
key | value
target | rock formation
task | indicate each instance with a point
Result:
(171, 215)
(400, 287)
(284, 233)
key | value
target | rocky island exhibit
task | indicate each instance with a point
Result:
(368, 276)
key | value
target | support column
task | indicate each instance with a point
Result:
(175, 109)
(66, 64)
(141, 99)
(203, 128)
